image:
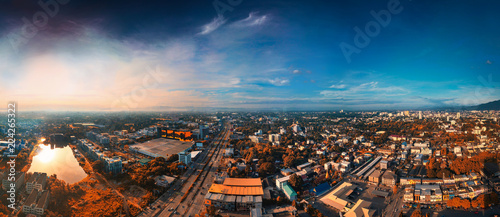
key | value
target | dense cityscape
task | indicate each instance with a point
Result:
(401, 163)
(232, 108)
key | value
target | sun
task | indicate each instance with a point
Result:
(46, 154)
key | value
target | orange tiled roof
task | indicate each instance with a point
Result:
(243, 182)
(236, 190)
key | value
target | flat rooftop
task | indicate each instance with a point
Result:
(243, 182)
(236, 190)
(338, 197)
(161, 147)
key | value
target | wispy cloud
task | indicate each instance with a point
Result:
(253, 19)
(338, 86)
(213, 25)
(280, 81)
(368, 89)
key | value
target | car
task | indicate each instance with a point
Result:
(476, 212)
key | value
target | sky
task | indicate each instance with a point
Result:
(72, 55)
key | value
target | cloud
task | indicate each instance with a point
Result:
(279, 81)
(372, 84)
(275, 70)
(296, 71)
(488, 62)
(330, 93)
(364, 90)
(338, 86)
(212, 26)
(253, 19)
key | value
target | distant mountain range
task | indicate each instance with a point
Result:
(495, 105)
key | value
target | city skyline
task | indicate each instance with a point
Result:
(287, 55)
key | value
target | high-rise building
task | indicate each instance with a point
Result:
(420, 115)
(274, 137)
(113, 165)
(458, 115)
(296, 128)
(185, 157)
(282, 131)
(203, 131)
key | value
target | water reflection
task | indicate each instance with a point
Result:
(59, 161)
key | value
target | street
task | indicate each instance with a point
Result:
(170, 202)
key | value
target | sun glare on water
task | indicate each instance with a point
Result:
(46, 154)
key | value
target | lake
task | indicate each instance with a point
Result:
(59, 161)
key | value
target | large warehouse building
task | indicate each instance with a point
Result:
(236, 194)
(161, 147)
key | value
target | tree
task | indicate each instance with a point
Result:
(417, 213)
(310, 209)
(294, 204)
(281, 200)
(289, 161)
(465, 204)
(458, 202)
(395, 189)
(173, 158)
(233, 172)
(266, 169)
(296, 181)
(248, 169)
(493, 198)
(211, 210)
(98, 165)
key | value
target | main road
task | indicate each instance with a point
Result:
(194, 202)
(172, 202)
(394, 204)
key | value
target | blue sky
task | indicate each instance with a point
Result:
(284, 55)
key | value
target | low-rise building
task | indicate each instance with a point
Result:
(340, 197)
(236, 194)
(164, 181)
(384, 164)
(429, 193)
(36, 203)
(36, 181)
(375, 177)
(19, 181)
(289, 192)
(280, 182)
(389, 178)
(362, 208)
(408, 195)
